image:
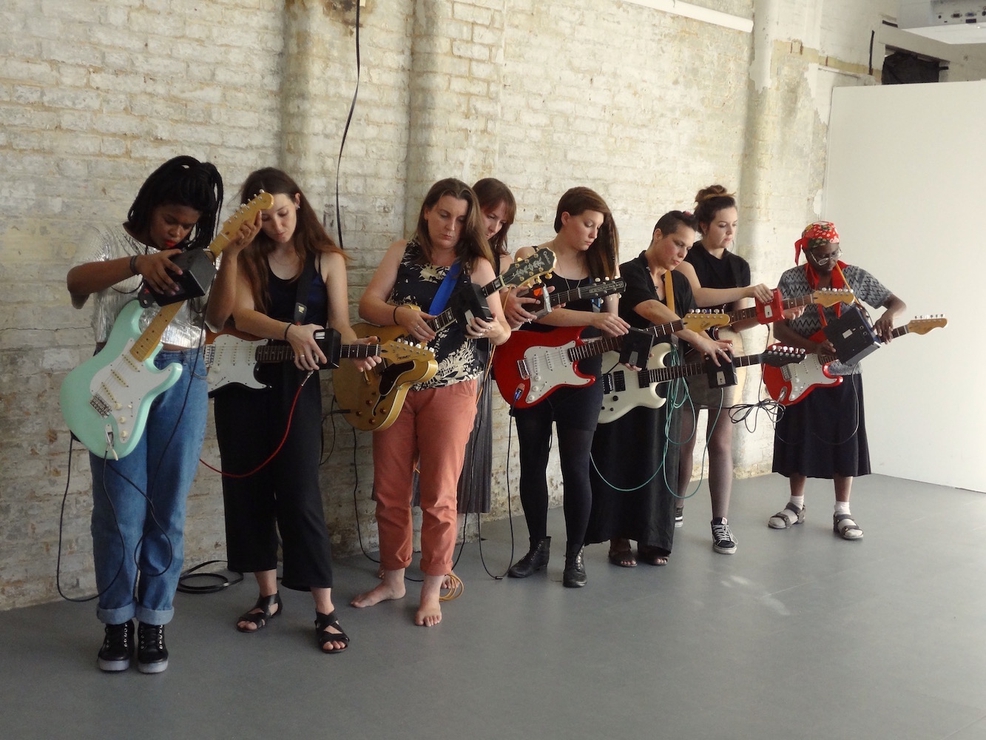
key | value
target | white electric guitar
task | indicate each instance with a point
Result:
(106, 399)
(234, 357)
(625, 389)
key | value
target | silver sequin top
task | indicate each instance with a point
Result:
(109, 243)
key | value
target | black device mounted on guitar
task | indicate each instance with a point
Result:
(469, 301)
(635, 348)
(722, 375)
(852, 336)
(197, 273)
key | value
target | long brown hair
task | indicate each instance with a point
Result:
(472, 244)
(601, 257)
(309, 235)
(491, 193)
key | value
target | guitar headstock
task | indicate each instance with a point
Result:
(526, 270)
(397, 351)
(702, 320)
(831, 296)
(260, 202)
(781, 354)
(924, 325)
(605, 287)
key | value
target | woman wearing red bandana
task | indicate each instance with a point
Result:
(824, 434)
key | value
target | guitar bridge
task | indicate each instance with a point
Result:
(523, 369)
(100, 406)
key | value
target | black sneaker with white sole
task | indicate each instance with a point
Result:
(722, 538)
(152, 655)
(118, 647)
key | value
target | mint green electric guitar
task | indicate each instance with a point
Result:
(106, 399)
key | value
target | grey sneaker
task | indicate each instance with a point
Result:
(722, 538)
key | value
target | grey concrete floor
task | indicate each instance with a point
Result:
(797, 635)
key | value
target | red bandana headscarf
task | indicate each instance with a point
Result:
(815, 235)
(818, 234)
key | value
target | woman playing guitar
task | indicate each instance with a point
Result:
(824, 435)
(586, 246)
(448, 251)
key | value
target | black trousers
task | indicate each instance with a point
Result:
(285, 494)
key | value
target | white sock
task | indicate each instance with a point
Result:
(798, 501)
(841, 507)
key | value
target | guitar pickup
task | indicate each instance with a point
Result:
(614, 382)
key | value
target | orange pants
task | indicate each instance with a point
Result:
(431, 430)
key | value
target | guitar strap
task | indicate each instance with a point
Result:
(440, 300)
(668, 290)
(304, 287)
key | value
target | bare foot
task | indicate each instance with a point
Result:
(390, 589)
(430, 611)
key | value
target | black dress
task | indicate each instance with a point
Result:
(634, 471)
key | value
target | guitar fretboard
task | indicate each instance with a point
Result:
(282, 352)
(596, 347)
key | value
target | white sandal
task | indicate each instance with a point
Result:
(787, 517)
(844, 526)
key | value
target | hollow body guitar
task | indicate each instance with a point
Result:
(626, 389)
(372, 400)
(105, 400)
(788, 385)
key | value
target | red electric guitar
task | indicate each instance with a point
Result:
(789, 384)
(531, 365)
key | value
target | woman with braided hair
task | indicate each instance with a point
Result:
(824, 434)
(138, 513)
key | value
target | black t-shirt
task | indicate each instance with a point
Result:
(731, 271)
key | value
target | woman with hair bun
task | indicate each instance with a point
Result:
(720, 279)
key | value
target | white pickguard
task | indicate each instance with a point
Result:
(120, 394)
(618, 404)
(231, 359)
(548, 368)
(803, 376)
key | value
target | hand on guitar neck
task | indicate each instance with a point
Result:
(308, 354)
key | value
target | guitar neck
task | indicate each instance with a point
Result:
(149, 338)
(664, 374)
(278, 352)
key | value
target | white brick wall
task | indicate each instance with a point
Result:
(644, 106)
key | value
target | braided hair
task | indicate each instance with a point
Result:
(183, 181)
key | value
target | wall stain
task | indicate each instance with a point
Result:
(341, 10)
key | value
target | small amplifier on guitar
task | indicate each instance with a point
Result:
(330, 342)
(852, 336)
(722, 375)
(635, 347)
(197, 273)
(469, 301)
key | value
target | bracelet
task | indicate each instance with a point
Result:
(288, 326)
(395, 314)
(133, 264)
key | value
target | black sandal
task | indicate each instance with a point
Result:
(323, 622)
(260, 619)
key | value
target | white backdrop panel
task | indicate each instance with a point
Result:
(906, 186)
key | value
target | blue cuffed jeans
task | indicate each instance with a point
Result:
(138, 511)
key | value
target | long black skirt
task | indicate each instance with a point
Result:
(824, 435)
(634, 474)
